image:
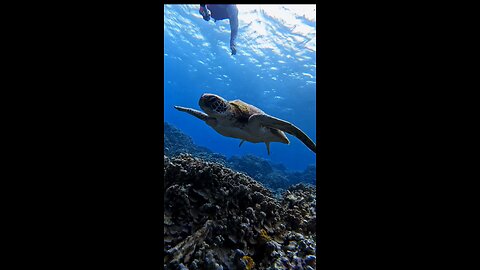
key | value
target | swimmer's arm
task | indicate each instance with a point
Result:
(233, 17)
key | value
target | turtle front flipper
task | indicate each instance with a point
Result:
(284, 126)
(200, 115)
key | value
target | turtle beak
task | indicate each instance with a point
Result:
(207, 99)
(211, 103)
(203, 102)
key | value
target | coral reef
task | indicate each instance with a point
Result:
(308, 176)
(217, 218)
(177, 142)
(274, 176)
(250, 164)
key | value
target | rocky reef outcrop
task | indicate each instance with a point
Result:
(273, 176)
(176, 142)
(217, 218)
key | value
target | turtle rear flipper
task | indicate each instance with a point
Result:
(273, 122)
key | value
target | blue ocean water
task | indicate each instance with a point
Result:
(274, 70)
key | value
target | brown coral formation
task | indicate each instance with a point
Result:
(216, 218)
(271, 175)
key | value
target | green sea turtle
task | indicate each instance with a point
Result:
(238, 119)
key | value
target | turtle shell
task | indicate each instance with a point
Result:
(241, 110)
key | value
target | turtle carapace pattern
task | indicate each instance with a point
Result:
(246, 122)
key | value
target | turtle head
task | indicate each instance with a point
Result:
(212, 104)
